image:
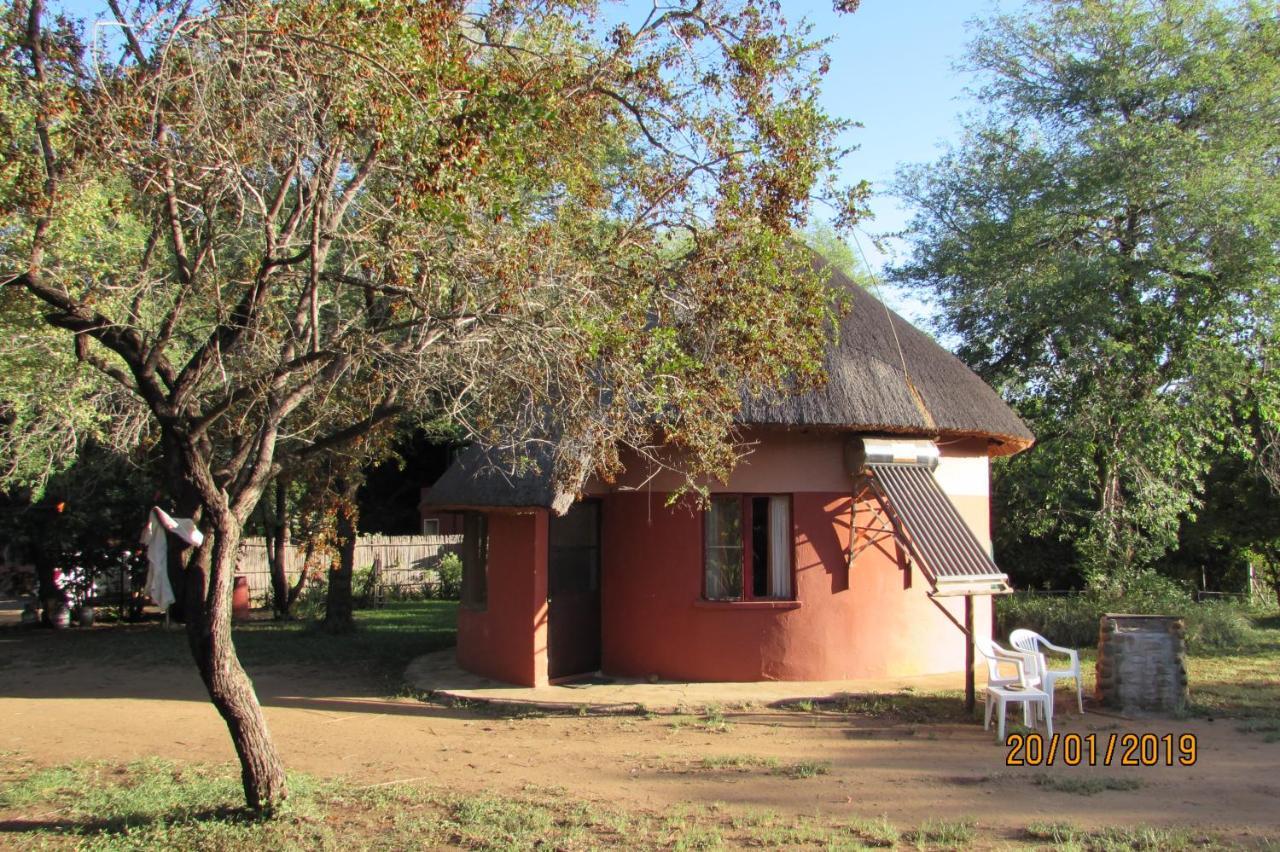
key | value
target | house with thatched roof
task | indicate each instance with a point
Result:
(852, 542)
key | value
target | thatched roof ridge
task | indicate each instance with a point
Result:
(867, 390)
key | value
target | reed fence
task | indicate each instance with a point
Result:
(407, 562)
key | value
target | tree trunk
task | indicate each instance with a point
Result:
(338, 602)
(278, 552)
(209, 634)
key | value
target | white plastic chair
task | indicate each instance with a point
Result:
(1023, 688)
(1032, 643)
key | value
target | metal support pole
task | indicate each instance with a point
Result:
(970, 699)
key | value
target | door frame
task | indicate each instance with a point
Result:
(599, 596)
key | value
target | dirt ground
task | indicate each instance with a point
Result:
(332, 724)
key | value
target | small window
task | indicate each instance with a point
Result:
(431, 526)
(748, 548)
(475, 560)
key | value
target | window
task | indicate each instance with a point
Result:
(475, 560)
(431, 526)
(748, 548)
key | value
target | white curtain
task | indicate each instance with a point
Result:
(779, 547)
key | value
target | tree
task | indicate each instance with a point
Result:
(85, 525)
(279, 226)
(1234, 530)
(833, 247)
(275, 515)
(1104, 242)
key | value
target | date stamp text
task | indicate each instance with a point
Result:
(1035, 749)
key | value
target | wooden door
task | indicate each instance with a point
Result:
(573, 591)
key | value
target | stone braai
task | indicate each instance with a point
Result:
(1142, 663)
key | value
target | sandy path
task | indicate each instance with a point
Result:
(332, 725)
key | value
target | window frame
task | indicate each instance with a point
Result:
(744, 509)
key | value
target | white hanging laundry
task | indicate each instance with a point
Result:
(159, 522)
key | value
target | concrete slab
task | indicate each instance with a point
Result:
(438, 675)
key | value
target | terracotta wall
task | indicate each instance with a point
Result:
(507, 640)
(846, 623)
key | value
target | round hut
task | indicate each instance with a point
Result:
(851, 543)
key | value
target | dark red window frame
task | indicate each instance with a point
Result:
(744, 499)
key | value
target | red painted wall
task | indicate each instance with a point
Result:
(507, 641)
(849, 624)
(846, 624)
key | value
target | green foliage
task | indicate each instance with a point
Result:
(1103, 241)
(837, 251)
(449, 572)
(1072, 619)
(606, 214)
(310, 606)
(1218, 627)
(1233, 531)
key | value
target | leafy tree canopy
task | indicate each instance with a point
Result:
(276, 227)
(1103, 239)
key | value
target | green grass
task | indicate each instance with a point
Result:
(949, 834)
(1066, 836)
(1240, 683)
(149, 804)
(737, 761)
(1269, 728)
(1085, 785)
(384, 642)
(804, 769)
(154, 804)
(904, 706)
(712, 719)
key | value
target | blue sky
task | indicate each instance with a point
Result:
(893, 69)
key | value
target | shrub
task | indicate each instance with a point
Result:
(1072, 619)
(1217, 626)
(310, 605)
(449, 570)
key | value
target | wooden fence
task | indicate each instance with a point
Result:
(408, 561)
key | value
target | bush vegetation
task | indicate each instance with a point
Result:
(1072, 619)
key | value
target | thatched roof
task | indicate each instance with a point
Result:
(481, 477)
(866, 391)
(866, 388)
